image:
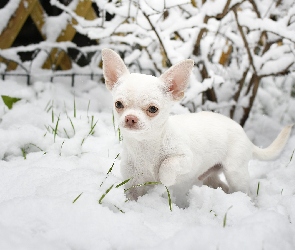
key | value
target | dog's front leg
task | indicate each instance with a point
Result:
(128, 173)
(173, 167)
(135, 177)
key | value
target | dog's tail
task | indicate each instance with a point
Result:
(274, 149)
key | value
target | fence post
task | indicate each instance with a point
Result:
(73, 79)
(28, 79)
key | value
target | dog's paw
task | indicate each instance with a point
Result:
(132, 195)
(167, 174)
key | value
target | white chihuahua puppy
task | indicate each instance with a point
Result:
(178, 150)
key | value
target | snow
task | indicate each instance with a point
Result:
(266, 24)
(37, 193)
(54, 25)
(7, 12)
(43, 173)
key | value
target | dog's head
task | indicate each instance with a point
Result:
(142, 102)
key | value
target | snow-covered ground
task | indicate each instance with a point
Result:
(58, 142)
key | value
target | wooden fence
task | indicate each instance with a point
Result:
(57, 58)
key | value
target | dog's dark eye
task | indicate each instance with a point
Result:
(153, 109)
(119, 105)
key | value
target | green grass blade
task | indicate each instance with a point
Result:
(55, 129)
(110, 170)
(52, 115)
(36, 147)
(24, 153)
(47, 106)
(92, 120)
(258, 187)
(104, 195)
(169, 199)
(72, 124)
(113, 119)
(225, 216)
(120, 135)
(211, 211)
(123, 183)
(291, 157)
(119, 209)
(77, 198)
(66, 133)
(61, 147)
(75, 111)
(148, 183)
(88, 106)
(91, 132)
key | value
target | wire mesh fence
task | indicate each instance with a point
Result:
(71, 77)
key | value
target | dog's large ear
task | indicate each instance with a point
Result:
(176, 78)
(113, 67)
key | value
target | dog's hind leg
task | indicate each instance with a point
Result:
(213, 179)
(237, 176)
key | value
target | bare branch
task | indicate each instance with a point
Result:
(283, 72)
(225, 11)
(241, 83)
(150, 56)
(200, 35)
(157, 12)
(244, 40)
(169, 64)
(255, 8)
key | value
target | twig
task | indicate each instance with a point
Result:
(169, 64)
(281, 73)
(245, 41)
(241, 83)
(150, 56)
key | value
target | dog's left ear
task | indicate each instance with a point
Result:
(176, 78)
(113, 67)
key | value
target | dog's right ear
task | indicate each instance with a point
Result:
(113, 67)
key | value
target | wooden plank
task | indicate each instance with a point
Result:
(37, 16)
(11, 65)
(91, 14)
(68, 34)
(35, 9)
(58, 58)
(13, 27)
(15, 24)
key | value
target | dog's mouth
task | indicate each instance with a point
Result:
(134, 128)
(128, 127)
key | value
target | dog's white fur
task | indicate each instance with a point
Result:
(178, 150)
